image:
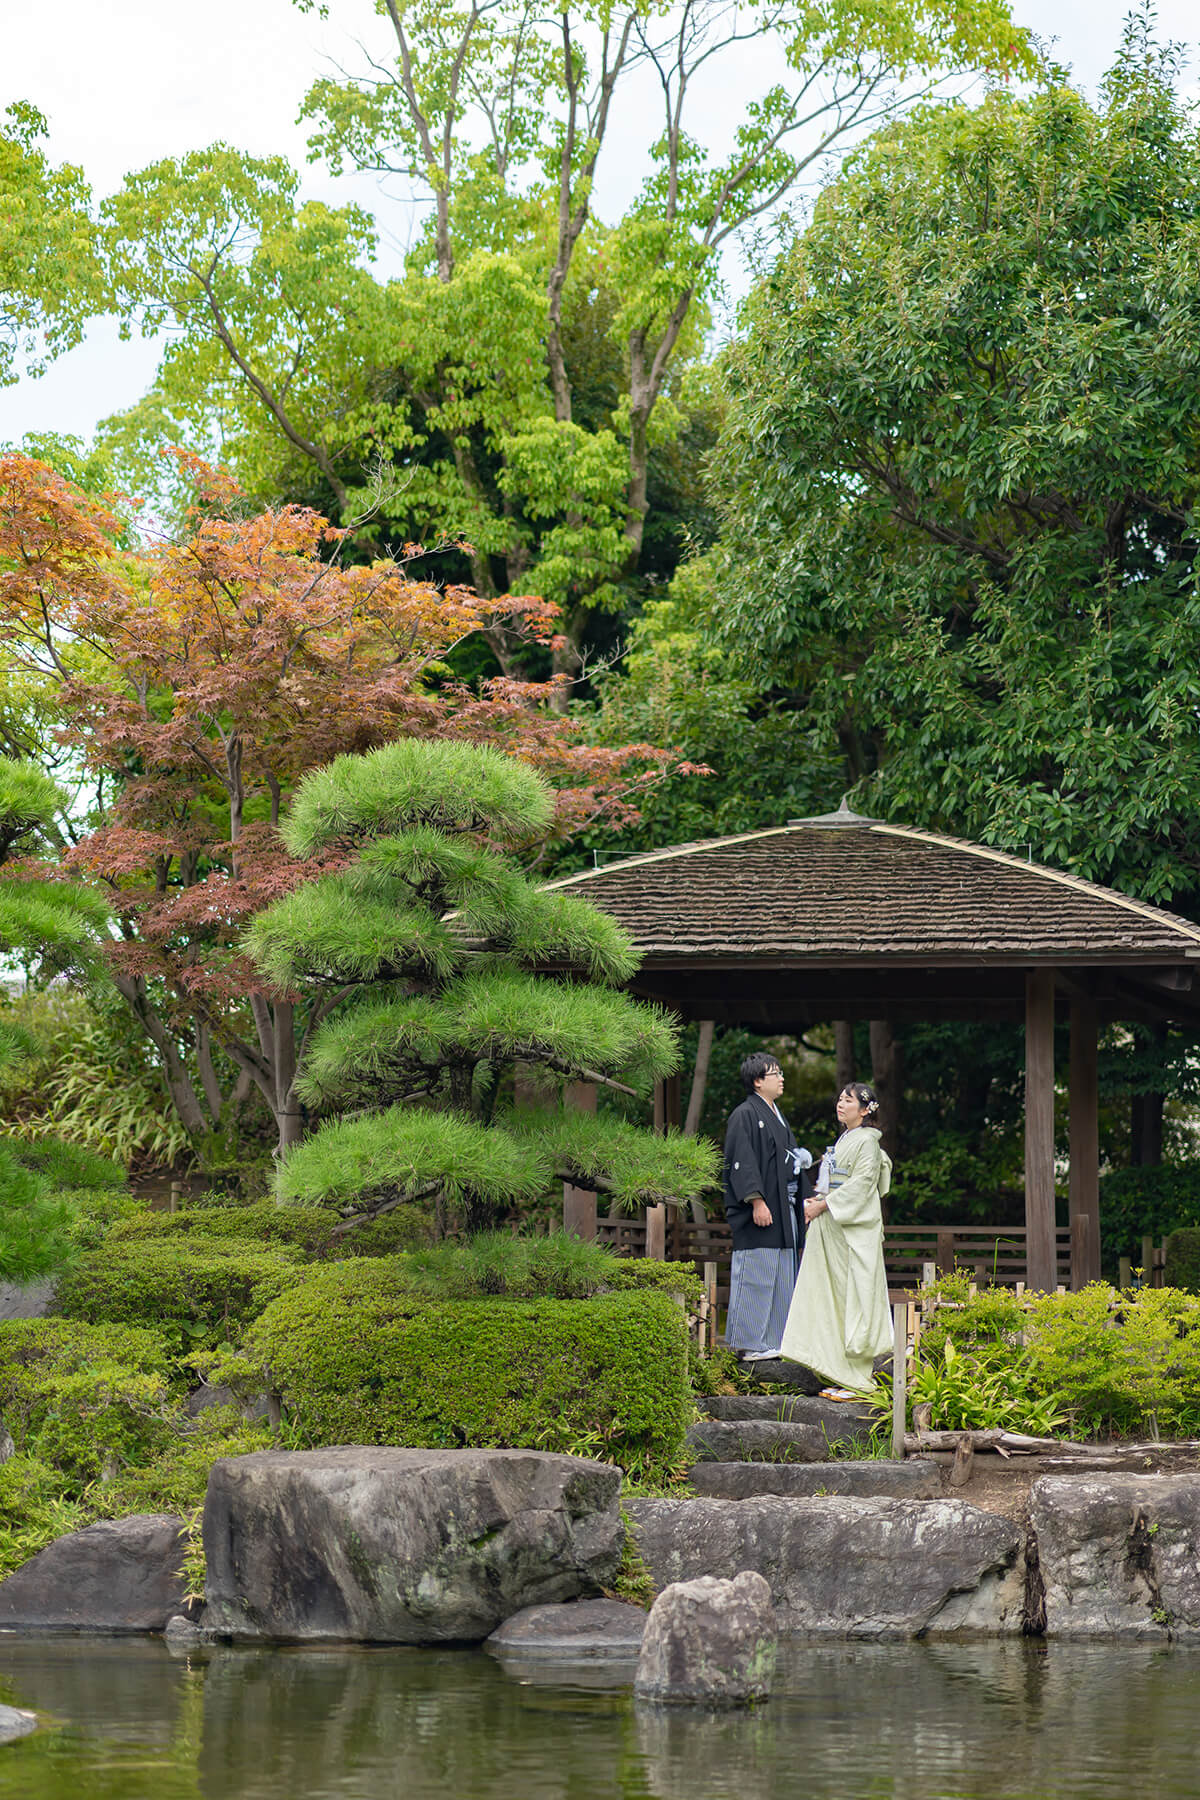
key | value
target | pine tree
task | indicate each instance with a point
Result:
(433, 940)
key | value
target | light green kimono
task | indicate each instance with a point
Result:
(839, 1319)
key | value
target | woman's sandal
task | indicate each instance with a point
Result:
(838, 1394)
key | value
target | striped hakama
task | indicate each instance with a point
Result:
(760, 1292)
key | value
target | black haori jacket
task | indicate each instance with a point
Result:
(757, 1162)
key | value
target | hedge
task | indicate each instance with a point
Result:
(198, 1290)
(357, 1358)
(1148, 1201)
(1183, 1260)
(84, 1398)
(306, 1227)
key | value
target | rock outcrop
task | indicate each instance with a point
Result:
(571, 1631)
(842, 1567)
(117, 1575)
(402, 1546)
(709, 1643)
(1119, 1555)
(874, 1479)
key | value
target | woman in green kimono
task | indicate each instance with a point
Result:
(839, 1320)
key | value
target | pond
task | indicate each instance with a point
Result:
(1010, 1721)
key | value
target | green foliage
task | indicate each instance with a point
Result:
(323, 932)
(69, 1165)
(1147, 1202)
(306, 1227)
(408, 1152)
(634, 1583)
(1183, 1260)
(497, 1265)
(49, 276)
(960, 475)
(1127, 1364)
(403, 1228)
(94, 1212)
(631, 1166)
(453, 787)
(357, 1358)
(84, 1398)
(964, 1396)
(34, 1510)
(197, 1290)
(498, 1016)
(35, 1236)
(644, 1274)
(176, 1478)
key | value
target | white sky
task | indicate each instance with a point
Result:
(130, 81)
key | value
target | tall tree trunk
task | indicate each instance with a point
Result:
(704, 1044)
(184, 1098)
(843, 1050)
(885, 1078)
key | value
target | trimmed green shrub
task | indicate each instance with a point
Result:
(84, 1398)
(356, 1357)
(1183, 1260)
(404, 1228)
(306, 1227)
(198, 1291)
(34, 1510)
(1124, 1364)
(95, 1212)
(495, 1264)
(644, 1273)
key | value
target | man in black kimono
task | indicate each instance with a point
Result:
(762, 1175)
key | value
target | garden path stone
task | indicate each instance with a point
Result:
(846, 1567)
(1119, 1555)
(783, 1373)
(28, 1301)
(842, 1421)
(16, 1723)
(709, 1643)
(756, 1440)
(361, 1543)
(572, 1629)
(116, 1575)
(872, 1479)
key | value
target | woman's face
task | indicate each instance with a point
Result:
(850, 1113)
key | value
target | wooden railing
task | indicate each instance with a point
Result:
(990, 1254)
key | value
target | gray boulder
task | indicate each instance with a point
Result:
(1119, 1555)
(756, 1440)
(30, 1301)
(117, 1575)
(841, 1421)
(872, 1479)
(852, 1568)
(402, 1546)
(15, 1723)
(709, 1643)
(574, 1629)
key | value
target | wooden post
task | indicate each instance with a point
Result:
(579, 1211)
(945, 1253)
(929, 1274)
(1085, 1144)
(899, 1376)
(656, 1232)
(843, 1052)
(660, 1107)
(1124, 1273)
(710, 1289)
(672, 1104)
(1041, 1250)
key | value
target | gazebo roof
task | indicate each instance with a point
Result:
(841, 894)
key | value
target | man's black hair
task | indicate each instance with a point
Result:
(755, 1066)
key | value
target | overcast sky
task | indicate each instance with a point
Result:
(130, 81)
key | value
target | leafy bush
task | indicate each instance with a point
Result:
(964, 1396)
(358, 1358)
(35, 1236)
(644, 1273)
(94, 1212)
(306, 1227)
(34, 1510)
(198, 1290)
(404, 1228)
(986, 1326)
(1124, 1363)
(176, 1479)
(1183, 1260)
(495, 1264)
(84, 1397)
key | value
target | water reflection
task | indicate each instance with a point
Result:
(1010, 1721)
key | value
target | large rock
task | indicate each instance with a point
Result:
(1119, 1555)
(841, 1421)
(709, 1643)
(402, 1546)
(15, 1723)
(756, 1440)
(872, 1479)
(572, 1630)
(117, 1575)
(31, 1301)
(845, 1567)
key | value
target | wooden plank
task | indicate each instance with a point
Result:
(579, 1211)
(1039, 1129)
(656, 1233)
(899, 1377)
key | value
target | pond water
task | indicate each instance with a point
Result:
(1010, 1721)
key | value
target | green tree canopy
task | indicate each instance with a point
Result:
(49, 272)
(961, 475)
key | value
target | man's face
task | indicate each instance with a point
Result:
(770, 1085)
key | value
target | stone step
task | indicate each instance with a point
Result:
(842, 1420)
(757, 1440)
(785, 1374)
(871, 1479)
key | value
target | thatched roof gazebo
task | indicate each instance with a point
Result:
(843, 917)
